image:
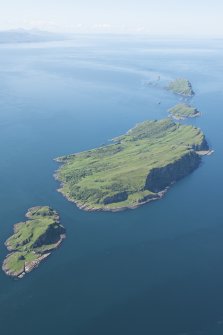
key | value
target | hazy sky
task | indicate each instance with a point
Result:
(200, 17)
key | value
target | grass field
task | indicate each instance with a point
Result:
(118, 175)
(40, 233)
(182, 111)
(181, 86)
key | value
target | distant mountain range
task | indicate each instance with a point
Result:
(29, 36)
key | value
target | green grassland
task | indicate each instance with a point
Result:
(182, 111)
(31, 239)
(134, 169)
(181, 86)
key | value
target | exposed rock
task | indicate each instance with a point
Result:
(159, 178)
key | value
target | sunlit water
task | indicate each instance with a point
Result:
(157, 270)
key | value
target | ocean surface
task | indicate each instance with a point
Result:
(156, 270)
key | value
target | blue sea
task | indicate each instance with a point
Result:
(156, 270)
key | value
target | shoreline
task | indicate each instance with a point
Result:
(205, 152)
(29, 266)
(156, 197)
(86, 208)
(22, 258)
(182, 118)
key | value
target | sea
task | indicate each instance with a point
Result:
(155, 270)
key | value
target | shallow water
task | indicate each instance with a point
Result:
(155, 270)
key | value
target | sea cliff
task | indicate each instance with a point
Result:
(137, 168)
(33, 241)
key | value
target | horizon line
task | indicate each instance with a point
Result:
(150, 34)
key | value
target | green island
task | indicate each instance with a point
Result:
(181, 86)
(33, 241)
(183, 111)
(136, 168)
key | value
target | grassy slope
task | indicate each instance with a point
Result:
(181, 86)
(25, 243)
(89, 178)
(183, 110)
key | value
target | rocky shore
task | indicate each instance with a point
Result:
(33, 241)
(170, 180)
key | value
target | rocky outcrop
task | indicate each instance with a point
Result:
(203, 146)
(118, 197)
(33, 241)
(52, 235)
(149, 197)
(159, 178)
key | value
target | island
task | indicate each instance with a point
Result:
(33, 241)
(183, 111)
(181, 86)
(136, 168)
(30, 36)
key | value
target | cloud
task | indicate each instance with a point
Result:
(140, 29)
(102, 26)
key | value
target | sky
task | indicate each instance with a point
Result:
(157, 17)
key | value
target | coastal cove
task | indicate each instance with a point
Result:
(152, 268)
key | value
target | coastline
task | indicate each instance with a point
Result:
(156, 197)
(29, 266)
(181, 118)
(86, 208)
(25, 255)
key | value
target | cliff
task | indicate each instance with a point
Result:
(181, 86)
(33, 241)
(134, 169)
(159, 178)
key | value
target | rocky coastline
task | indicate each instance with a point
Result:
(27, 251)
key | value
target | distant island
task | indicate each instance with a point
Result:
(183, 111)
(137, 168)
(181, 86)
(29, 36)
(33, 241)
